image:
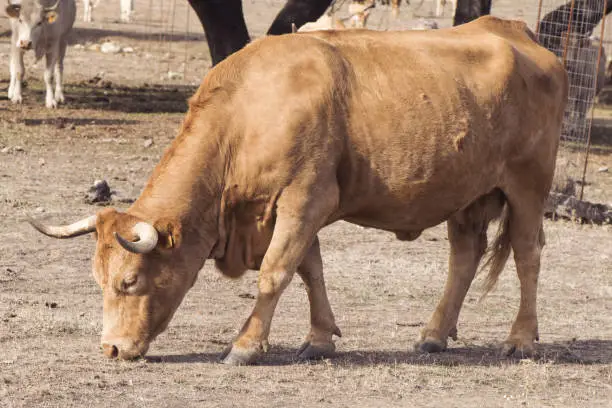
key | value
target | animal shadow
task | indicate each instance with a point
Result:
(99, 94)
(582, 352)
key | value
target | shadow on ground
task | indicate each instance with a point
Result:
(64, 121)
(80, 35)
(103, 95)
(582, 352)
(601, 132)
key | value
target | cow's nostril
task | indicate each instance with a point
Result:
(110, 351)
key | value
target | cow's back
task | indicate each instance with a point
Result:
(435, 116)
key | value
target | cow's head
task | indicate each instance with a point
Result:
(31, 15)
(143, 271)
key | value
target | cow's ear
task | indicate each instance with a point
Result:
(51, 17)
(12, 10)
(169, 233)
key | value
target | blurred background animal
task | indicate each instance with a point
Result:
(43, 27)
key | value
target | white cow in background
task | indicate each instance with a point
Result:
(43, 26)
(127, 8)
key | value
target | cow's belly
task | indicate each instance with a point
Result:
(410, 204)
(400, 216)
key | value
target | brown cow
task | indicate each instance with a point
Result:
(392, 130)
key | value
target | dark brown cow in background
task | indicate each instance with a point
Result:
(225, 28)
(226, 31)
(586, 14)
(468, 10)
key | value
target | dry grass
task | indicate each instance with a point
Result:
(382, 290)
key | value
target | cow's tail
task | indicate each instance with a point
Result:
(498, 253)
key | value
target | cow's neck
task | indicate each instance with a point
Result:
(187, 185)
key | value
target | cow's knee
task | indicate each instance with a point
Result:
(273, 282)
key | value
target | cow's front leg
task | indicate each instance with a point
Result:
(287, 249)
(17, 70)
(59, 74)
(299, 217)
(468, 242)
(319, 342)
(50, 63)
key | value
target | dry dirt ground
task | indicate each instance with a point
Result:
(381, 290)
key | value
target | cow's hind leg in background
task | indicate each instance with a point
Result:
(467, 235)
(87, 9)
(298, 12)
(224, 26)
(322, 323)
(300, 214)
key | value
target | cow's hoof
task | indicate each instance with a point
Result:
(16, 99)
(430, 345)
(309, 351)
(518, 348)
(51, 104)
(237, 356)
(59, 98)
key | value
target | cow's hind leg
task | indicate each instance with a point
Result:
(527, 240)
(467, 234)
(322, 323)
(300, 214)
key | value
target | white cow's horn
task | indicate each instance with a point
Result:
(145, 242)
(53, 7)
(84, 226)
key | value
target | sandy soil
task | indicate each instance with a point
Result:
(382, 290)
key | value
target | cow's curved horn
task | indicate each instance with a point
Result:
(53, 7)
(145, 242)
(84, 226)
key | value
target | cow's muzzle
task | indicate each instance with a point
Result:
(123, 349)
(25, 44)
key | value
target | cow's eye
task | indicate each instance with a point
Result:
(128, 282)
